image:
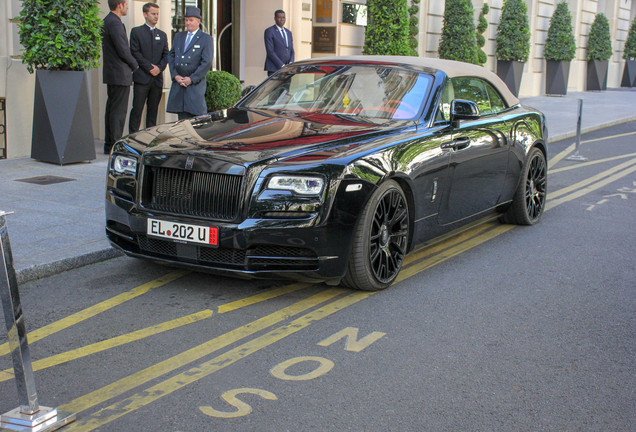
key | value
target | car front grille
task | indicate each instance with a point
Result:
(192, 193)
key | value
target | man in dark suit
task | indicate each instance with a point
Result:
(149, 46)
(190, 59)
(119, 65)
(279, 44)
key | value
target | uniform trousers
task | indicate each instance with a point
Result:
(116, 108)
(150, 92)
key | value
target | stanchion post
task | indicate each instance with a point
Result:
(576, 156)
(29, 416)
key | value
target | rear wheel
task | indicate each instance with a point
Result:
(529, 200)
(380, 240)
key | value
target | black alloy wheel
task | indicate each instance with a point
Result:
(381, 240)
(529, 200)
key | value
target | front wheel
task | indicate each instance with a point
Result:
(529, 200)
(380, 241)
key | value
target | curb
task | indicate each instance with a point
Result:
(590, 129)
(39, 271)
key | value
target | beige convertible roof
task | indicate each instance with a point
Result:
(450, 67)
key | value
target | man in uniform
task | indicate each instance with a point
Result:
(149, 46)
(119, 65)
(279, 44)
(190, 59)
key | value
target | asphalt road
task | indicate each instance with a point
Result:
(501, 329)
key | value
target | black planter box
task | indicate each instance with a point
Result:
(597, 75)
(62, 123)
(556, 77)
(629, 74)
(510, 72)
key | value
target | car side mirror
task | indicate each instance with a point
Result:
(247, 90)
(463, 110)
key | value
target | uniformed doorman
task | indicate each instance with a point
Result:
(189, 59)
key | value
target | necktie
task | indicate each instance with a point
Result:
(284, 36)
(188, 39)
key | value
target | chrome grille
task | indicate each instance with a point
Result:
(209, 195)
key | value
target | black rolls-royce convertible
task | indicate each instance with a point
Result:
(332, 169)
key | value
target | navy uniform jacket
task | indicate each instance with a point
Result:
(194, 62)
(119, 64)
(278, 54)
(148, 47)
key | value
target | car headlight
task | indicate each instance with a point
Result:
(303, 185)
(125, 165)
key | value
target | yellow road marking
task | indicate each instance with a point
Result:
(589, 189)
(130, 382)
(571, 148)
(584, 164)
(590, 180)
(90, 312)
(141, 399)
(261, 297)
(4, 376)
(114, 342)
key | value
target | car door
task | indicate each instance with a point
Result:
(478, 155)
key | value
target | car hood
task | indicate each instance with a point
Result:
(243, 136)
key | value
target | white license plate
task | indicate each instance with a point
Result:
(183, 232)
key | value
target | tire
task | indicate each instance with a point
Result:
(529, 200)
(380, 241)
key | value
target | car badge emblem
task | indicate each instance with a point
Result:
(189, 162)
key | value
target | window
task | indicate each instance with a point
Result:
(474, 90)
(353, 13)
(497, 104)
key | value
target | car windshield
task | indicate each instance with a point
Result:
(365, 91)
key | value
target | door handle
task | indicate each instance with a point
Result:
(456, 144)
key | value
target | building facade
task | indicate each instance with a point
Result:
(320, 28)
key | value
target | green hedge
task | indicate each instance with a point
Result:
(629, 52)
(223, 90)
(458, 40)
(560, 44)
(387, 31)
(599, 41)
(60, 34)
(513, 33)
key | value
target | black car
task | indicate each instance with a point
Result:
(333, 169)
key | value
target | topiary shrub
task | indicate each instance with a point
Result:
(560, 44)
(482, 57)
(599, 41)
(413, 26)
(223, 90)
(513, 33)
(387, 31)
(629, 52)
(458, 33)
(60, 35)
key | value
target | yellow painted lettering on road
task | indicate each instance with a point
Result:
(146, 397)
(130, 382)
(92, 311)
(351, 335)
(242, 409)
(279, 370)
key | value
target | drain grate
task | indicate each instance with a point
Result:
(45, 180)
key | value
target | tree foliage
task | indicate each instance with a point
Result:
(60, 34)
(223, 90)
(482, 57)
(387, 31)
(458, 40)
(560, 44)
(599, 41)
(513, 33)
(629, 52)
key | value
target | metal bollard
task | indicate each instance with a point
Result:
(576, 156)
(29, 416)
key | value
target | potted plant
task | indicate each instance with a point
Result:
(560, 50)
(458, 40)
(513, 43)
(387, 31)
(61, 41)
(629, 54)
(223, 90)
(599, 51)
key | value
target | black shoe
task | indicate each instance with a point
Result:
(107, 148)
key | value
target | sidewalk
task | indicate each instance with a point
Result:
(60, 226)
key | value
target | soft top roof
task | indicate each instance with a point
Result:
(449, 67)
